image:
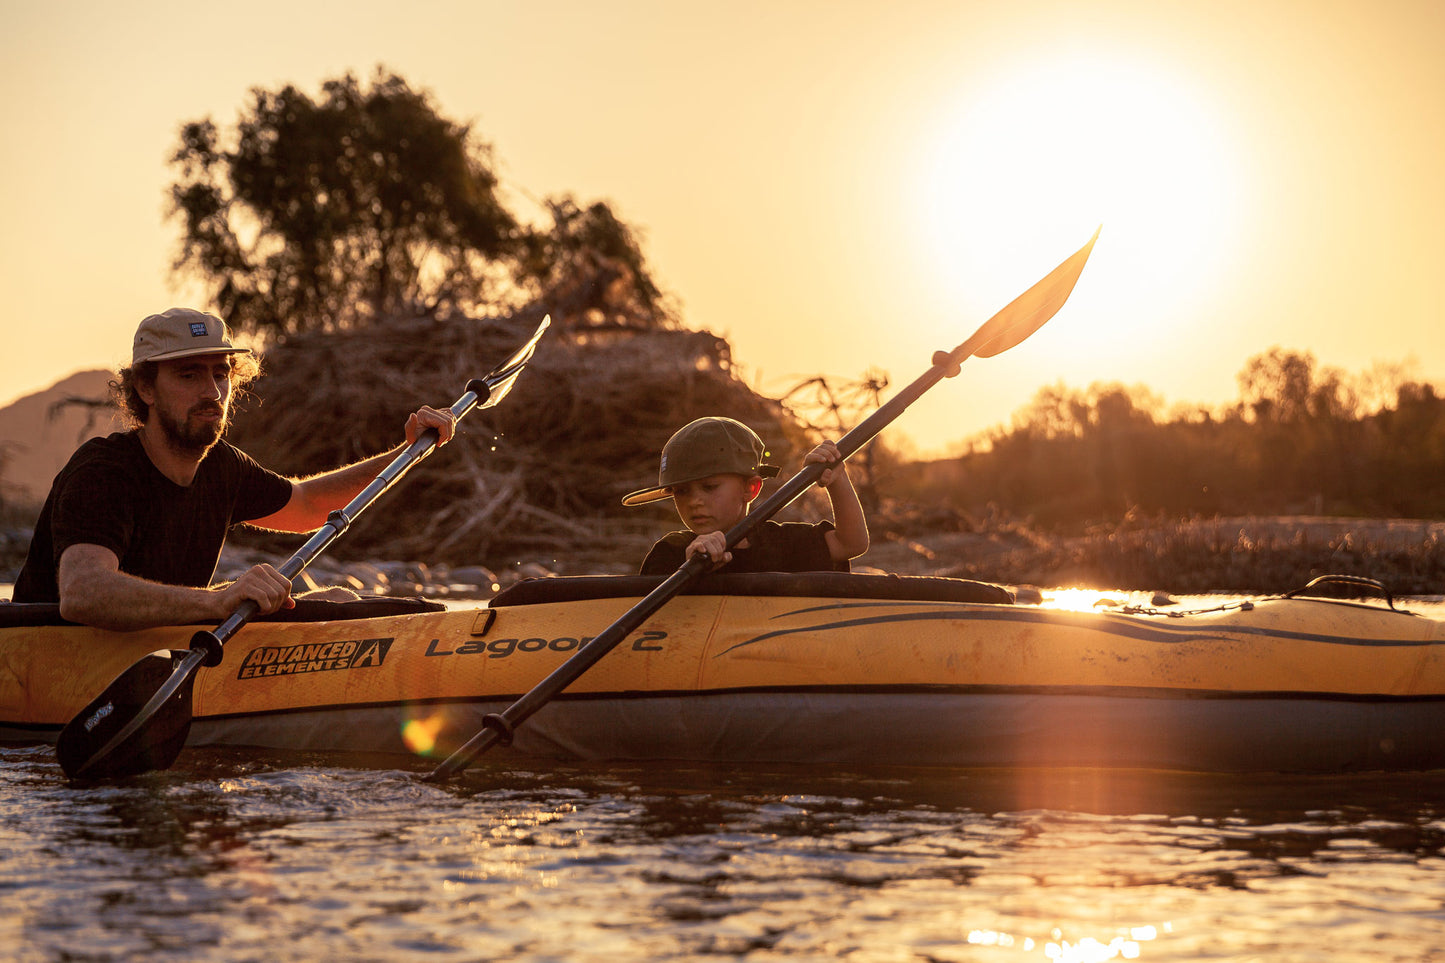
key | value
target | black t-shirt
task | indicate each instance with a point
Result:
(110, 494)
(772, 547)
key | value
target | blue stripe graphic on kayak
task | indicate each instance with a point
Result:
(1122, 626)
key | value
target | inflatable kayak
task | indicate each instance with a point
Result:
(821, 668)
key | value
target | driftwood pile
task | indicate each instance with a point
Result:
(537, 478)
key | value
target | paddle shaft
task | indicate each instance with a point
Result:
(480, 392)
(499, 727)
(340, 520)
(1019, 319)
(207, 645)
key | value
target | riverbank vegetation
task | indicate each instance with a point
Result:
(1300, 439)
(1084, 488)
(1297, 477)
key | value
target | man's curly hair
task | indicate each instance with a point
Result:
(245, 369)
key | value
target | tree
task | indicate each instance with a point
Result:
(1287, 387)
(332, 213)
(589, 270)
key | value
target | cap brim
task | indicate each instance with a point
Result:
(647, 495)
(190, 353)
(658, 492)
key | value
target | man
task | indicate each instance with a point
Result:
(133, 526)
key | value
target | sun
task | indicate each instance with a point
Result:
(1021, 170)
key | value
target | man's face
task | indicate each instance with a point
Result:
(192, 401)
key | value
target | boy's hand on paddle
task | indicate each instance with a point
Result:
(713, 545)
(827, 453)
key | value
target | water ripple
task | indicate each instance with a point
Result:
(233, 857)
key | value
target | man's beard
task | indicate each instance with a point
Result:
(197, 438)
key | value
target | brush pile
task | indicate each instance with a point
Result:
(536, 478)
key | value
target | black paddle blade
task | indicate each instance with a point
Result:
(84, 748)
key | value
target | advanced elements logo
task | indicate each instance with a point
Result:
(318, 657)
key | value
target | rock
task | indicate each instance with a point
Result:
(371, 576)
(478, 577)
(304, 582)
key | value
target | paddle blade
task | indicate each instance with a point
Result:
(1027, 313)
(501, 379)
(84, 748)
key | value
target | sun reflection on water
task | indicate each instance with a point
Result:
(1085, 950)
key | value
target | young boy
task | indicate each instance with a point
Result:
(712, 469)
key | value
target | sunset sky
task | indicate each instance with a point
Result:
(834, 186)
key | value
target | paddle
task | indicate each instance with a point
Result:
(141, 720)
(1021, 318)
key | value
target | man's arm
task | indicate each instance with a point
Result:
(313, 499)
(94, 591)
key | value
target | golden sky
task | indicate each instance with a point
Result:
(835, 186)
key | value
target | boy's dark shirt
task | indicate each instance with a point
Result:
(110, 494)
(772, 547)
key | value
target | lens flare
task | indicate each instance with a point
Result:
(420, 735)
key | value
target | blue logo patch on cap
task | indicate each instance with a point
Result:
(198, 329)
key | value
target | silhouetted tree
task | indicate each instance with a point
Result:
(366, 205)
(322, 214)
(588, 270)
(330, 213)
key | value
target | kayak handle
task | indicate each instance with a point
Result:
(1352, 580)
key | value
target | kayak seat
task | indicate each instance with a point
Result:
(843, 585)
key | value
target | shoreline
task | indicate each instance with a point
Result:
(1235, 554)
(1225, 555)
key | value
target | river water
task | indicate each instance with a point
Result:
(240, 856)
(232, 856)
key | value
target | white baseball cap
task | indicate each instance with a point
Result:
(182, 333)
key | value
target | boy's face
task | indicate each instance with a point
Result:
(715, 503)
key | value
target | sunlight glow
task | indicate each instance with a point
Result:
(1078, 600)
(1022, 171)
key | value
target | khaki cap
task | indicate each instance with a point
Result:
(707, 446)
(181, 333)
